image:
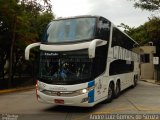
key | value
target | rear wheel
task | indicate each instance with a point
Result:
(135, 81)
(117, 90)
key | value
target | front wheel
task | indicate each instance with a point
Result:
(110, 93)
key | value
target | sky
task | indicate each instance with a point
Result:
(117, 11)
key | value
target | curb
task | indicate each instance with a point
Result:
(20, 89)
(157, 83)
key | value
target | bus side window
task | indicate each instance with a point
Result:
(120, 39)
(103, 29)
(120, 67)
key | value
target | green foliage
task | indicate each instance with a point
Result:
(150, 31)
(153, 28)
(150, 5)
(42, 22)
(30, 17)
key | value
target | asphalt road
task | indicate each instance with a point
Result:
(144, 98)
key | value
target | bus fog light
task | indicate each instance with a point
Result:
(84, 100)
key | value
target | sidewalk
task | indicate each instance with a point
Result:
(23, 83)
(151, 81)
(17, 89)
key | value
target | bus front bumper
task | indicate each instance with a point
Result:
(82, 100)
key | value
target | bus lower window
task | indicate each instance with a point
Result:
(120, 67)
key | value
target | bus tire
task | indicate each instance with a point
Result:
(135, 81)
(110, 93)
(117, 89)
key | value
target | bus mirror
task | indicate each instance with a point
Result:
(92, 47)
(27, 50)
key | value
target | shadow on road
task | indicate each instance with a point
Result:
(72, 109)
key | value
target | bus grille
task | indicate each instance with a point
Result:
(61, 93)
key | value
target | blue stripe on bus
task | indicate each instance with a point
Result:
(91, 96)
(91, 83)
(91, 93)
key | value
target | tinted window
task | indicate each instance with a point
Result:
(120, 39)
(65, 67)
(120, 67)
(145, 58)
(103, 29)
(100, 60)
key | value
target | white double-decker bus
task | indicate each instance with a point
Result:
(84, 60)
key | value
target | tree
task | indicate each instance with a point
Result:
(7, 20)
(21, 23)
(149, 31)
(150, 5)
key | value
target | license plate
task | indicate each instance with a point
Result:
(59, 101)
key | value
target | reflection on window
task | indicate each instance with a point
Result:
(70, 30)
(65, 69)
(122, 40)
(103, 29)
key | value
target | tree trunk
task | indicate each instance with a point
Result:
(12, 53)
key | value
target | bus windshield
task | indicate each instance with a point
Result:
(61, 68)
(69, 30)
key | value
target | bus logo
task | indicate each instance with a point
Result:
(58, 94)
(51, 54)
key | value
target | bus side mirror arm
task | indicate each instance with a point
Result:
(27, 50)
(93, 45)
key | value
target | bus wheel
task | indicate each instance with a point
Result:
(110, 93)
(117, 90)
(135, 81)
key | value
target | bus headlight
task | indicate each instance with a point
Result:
(86, 90)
